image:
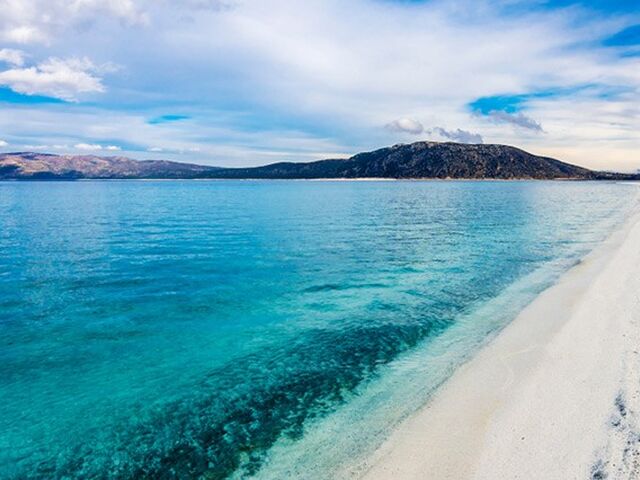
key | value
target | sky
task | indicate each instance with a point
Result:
(250, 82)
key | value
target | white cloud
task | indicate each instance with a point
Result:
(126, 10)
(4, 144)
(335, 70)
(89, 147)
(45, 147)
(353, 67)
(406, 125)
(215, 5)
(458, 135)
(95, 147)
(12, 57)
(518, 119)
(41, 21)
(178, 150)
(23, 34)
(59, 78)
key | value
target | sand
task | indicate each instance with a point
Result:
(554, 396)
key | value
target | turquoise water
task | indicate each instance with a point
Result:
(269, 329)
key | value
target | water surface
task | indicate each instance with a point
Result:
(211, 329)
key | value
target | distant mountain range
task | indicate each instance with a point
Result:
(412, 161)
(44, 166)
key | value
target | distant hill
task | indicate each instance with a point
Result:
(43, 166)
(424, 160)
(413, 161)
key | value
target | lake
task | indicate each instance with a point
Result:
(214, 329)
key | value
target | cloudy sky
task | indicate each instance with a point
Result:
(247, 82)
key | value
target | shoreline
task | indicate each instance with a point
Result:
(555, 395)
(328, 179)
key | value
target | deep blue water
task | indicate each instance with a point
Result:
(213, 329)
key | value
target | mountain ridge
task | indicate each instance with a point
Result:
(419, 160)
(47, 166)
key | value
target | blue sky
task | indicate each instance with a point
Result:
(247, 82)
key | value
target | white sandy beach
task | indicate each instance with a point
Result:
(555, 396)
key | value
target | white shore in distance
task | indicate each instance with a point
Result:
(555, 396)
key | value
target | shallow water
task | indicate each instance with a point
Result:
(214, 329)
